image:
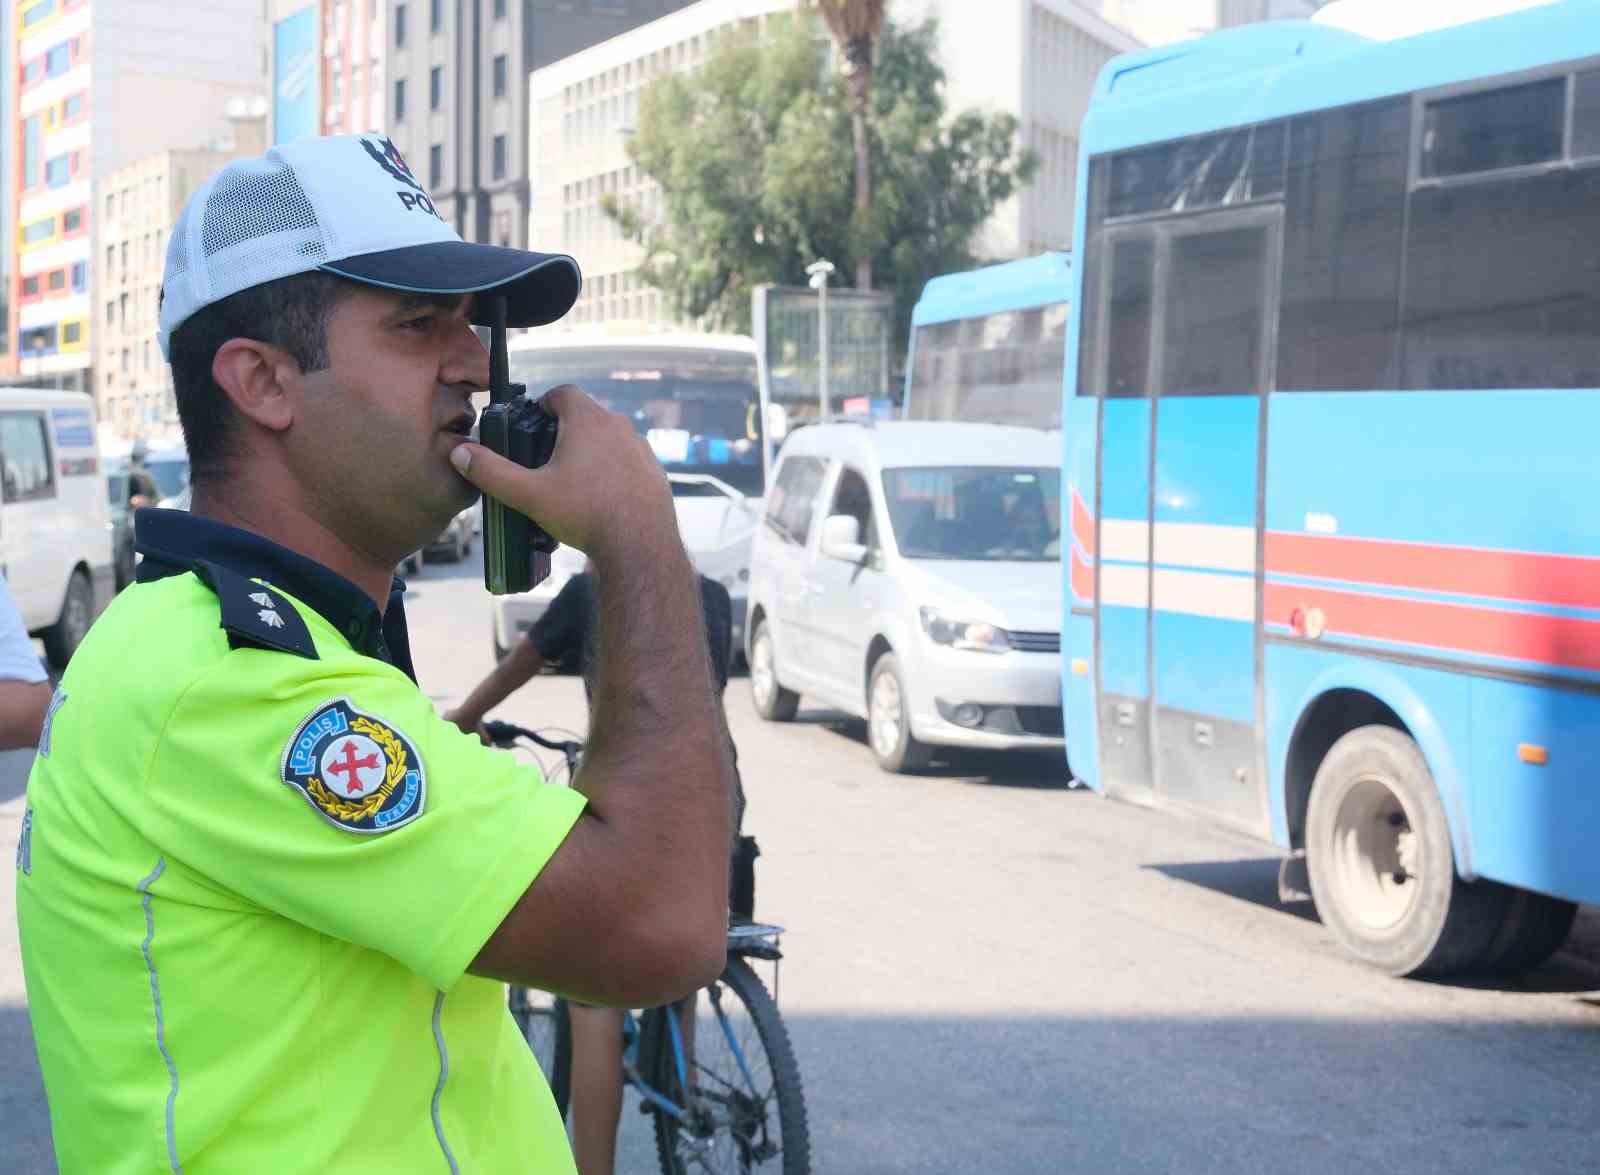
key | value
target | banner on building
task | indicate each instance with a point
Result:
(296, 88)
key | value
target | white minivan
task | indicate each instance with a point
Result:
(909, 573)
(55, 530)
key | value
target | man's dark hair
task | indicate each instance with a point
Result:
(291, 313)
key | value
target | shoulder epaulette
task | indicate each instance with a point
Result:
(256, 615)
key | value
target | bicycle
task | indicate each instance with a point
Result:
(717, 1074)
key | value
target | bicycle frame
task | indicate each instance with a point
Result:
(746, 940)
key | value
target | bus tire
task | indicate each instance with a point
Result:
(1533, 929)
(1381, 865)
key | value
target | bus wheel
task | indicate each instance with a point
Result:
(1533, 929)
(1382, 871)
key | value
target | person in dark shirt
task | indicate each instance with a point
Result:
(567, 629)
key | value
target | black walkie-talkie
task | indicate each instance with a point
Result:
(516, 550)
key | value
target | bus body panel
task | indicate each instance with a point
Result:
(1433, 549)
(1122, 647)
(1078, 498)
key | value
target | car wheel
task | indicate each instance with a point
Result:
(773, 702)
(62, 639)
(889, 720)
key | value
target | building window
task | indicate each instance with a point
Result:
(435, 165)
(435, 15)
(58, 172)
(500, 76)
(32, 152)
(39, 230)
(499, 157)
(400, 100)
(72, 221)
(72, 107)
(30, 287)
(499, 9)
(435, 87)
(111, 314)
(37, 13)
(58, 279)
(72, 332)
(399, 26)
(58, 60)
(80, 276)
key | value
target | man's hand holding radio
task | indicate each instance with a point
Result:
(603, 490)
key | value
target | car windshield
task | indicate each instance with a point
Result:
(975, 512)
(696, 405)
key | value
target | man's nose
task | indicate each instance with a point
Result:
(467, 359)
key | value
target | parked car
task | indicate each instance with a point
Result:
(909, 573)
(454, 542)
(55, 533)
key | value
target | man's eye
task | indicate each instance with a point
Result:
(422, 323)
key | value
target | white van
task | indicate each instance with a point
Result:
(55, 529)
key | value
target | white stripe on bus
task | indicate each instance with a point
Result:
(1201, 593)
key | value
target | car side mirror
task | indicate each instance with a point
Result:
(841, 539)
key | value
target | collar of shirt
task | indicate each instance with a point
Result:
(173, 542)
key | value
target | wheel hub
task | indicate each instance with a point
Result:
(1377, 855)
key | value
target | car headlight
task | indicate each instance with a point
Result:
(976, 635)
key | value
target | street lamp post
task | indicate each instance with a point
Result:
(819, 272)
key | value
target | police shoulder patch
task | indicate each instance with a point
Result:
(359, 772)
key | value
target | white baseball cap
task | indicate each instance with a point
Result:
(348, 205)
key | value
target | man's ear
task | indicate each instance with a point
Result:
(258, 378)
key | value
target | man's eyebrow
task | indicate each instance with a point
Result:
(414, 301)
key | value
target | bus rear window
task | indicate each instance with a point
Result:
(1494, 130)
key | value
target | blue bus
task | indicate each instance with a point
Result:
(989, 344)
(1332, 408)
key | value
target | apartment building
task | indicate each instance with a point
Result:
(138, 204)
(457, 106)
(97, 84)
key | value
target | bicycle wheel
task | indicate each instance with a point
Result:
(746, 1110)
(547, 1027)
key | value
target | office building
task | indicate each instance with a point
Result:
(458, 99)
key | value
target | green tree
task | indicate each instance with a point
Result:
(856, 25)
(754, 154)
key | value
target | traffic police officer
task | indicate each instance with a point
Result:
(271, 897)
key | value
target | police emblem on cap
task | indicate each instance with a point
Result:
(359, 772)
(388, 157)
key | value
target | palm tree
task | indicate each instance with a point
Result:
(856, 25)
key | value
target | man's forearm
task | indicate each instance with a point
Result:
(22, 709)
(657, 768)
(519, 666)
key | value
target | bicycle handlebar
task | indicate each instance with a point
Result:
(506, 733)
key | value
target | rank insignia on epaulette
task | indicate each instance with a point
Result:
(357, 771)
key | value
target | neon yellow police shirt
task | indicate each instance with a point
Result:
(248, 892)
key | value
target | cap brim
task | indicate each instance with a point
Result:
(539, 287)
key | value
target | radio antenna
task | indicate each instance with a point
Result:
(499, 365)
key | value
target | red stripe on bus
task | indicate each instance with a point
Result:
(1463, 628)
(1082, 524)
(1571, 581)
(1082, 577)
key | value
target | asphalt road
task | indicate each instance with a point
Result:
(988, 972)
